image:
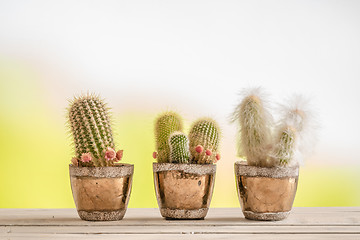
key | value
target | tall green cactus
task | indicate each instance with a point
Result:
(204, 141)
(255, 129)
(165, 124)
(91, 130)
(179, 148)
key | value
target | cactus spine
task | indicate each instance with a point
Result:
(91, 130)
(165, 124)
(179, 148)
(204, 132)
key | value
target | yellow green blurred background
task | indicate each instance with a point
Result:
(190, 57)
(35, 152)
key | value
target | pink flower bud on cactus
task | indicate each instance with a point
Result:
(218, 156)
(86, 157)
(119, 154)
(208, 152)
(155, 155)
(110, 154)
(75, 161)
(199, 149)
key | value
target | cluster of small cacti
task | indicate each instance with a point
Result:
(90, 126)
(174, 146)
(264, 143)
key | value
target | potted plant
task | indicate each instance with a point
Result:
(184, 174)
(101, 187)
(267, 180)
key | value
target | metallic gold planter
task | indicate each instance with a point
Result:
(101, 193)
(266, 193)
(184, 191)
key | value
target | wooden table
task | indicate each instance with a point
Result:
(221, 223)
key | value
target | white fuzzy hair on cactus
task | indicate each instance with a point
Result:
(297, 115)
(264, 145)
(255, 126)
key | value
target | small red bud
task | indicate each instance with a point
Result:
(86, 157)
(199, 149)
(119, 154)
(155, 155)
(110, 154)
(218, 157)
(208, 152)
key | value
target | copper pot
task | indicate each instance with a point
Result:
(184, 191)
(266, 193)
(101, 193)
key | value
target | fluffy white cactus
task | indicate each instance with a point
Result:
(264, 145)
(255, 125)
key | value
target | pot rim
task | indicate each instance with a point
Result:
(243, 169)
(119, 170)
(199, 169)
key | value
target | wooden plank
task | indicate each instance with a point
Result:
(303, 223)
(180, 237)
(151, 217)
(184, 229)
